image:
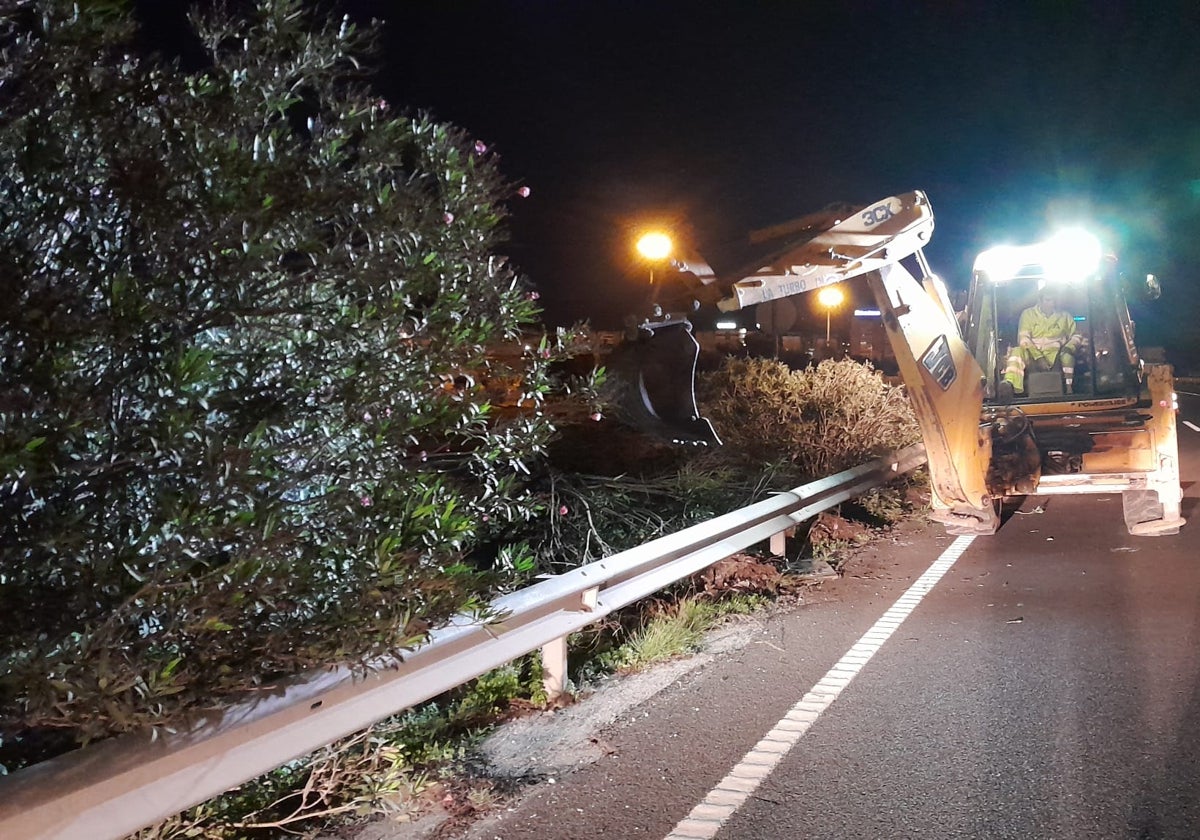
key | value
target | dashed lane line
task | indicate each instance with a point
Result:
(1191, 425)
(732, 792)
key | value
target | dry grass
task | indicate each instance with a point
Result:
(819, 420)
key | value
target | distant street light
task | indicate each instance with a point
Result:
(831, 298)
(655, 246)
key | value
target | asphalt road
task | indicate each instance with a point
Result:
(1048, 686)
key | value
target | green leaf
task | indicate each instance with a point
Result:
(166, 672)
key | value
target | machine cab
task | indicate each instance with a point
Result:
(1048, 323)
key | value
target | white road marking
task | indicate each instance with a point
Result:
(732, 792)
(1191, 425)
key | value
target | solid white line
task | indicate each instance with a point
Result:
(723, 801)
(1191, 425)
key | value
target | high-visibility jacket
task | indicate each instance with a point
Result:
(1037, 330)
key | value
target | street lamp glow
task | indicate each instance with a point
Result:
(654, 245)
(830, 297)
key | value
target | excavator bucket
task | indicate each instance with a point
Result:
(657, 374)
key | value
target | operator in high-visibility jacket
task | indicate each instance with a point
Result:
(1046, 337)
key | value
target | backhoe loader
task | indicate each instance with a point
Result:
(1104, 424)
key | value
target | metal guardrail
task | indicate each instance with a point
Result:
(115, 787)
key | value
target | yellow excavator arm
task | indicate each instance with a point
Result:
(944, 382)
(866, 240)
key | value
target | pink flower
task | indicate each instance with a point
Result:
(387, 412)
(524, 192)
(448, 217)
(383, 105)
(486, 517)
(597, 416)
(423, 456)
(533, 296)
(366, 501)
(367, 416)
(480, 147)
(544, 352)
(563, 510)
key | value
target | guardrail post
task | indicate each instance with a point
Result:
(554, 654)
(554, 668)
(779, 542)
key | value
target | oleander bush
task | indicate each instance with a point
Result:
(245, 428)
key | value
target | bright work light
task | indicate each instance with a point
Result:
(1001, 262)
(1069, 256)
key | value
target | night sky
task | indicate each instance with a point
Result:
(714, 118)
